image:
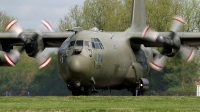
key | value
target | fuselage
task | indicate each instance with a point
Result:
(102, 60)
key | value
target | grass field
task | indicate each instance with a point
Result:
(100, 103)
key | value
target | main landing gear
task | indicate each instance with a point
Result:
(137, 92)
(142, 86)
(77, 91)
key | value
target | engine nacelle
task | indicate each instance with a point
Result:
(33, 45)
(171, 52)
(172, 45)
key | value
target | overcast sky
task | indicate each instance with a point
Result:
(30, 12)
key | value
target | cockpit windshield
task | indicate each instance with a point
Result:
(79, 43)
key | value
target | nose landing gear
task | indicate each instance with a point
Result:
(142, 86)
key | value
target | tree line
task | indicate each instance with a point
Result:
(177, 78)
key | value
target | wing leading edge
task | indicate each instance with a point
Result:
(50, 39)
(187, 38)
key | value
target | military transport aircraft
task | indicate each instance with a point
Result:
(89, 60)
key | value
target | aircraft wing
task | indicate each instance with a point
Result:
(50, 39)
(187, 38)
(55, 39)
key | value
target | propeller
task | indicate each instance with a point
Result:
(171, 44)
(33, 45)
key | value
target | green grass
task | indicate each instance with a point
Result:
(100, 103)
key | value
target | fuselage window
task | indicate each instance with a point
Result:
(95, 39)
(98, 40)
(97, 45)
(101, 46)
(71, 43)
(79, 43)
(93, 46)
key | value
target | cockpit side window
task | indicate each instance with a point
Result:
(95, 39)
(79, 43)
(98, 40)
(93, 46)
(101, 46)
(97, 43)
(71, 43)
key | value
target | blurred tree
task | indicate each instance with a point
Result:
(103, 14)
(181, 76)
(73, 19)
(17, 79)
(48, 81)
(4, 19)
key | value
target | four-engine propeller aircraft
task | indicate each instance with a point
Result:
(91, 60)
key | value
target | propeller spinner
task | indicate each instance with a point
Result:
(171, 44)
(33, 45)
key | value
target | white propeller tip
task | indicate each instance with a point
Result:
(144, 33)
(12, 58)
(177, 22)
(191, 55)
(149, 34)
(179, 19)
(14, 27)
(45, 63)
(156, 66)
(187, 52)
(9, 61)
(47, 25)
(11, 24)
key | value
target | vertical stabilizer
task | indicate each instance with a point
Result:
(138, 16)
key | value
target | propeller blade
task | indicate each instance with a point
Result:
(14, 27)
(177, 22)
(12, 57)
(158, 62)
(187, 53)
(29, 44)
(43, 60)
(47, 25)
(149, 34)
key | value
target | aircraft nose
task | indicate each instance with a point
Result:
(79, 66)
